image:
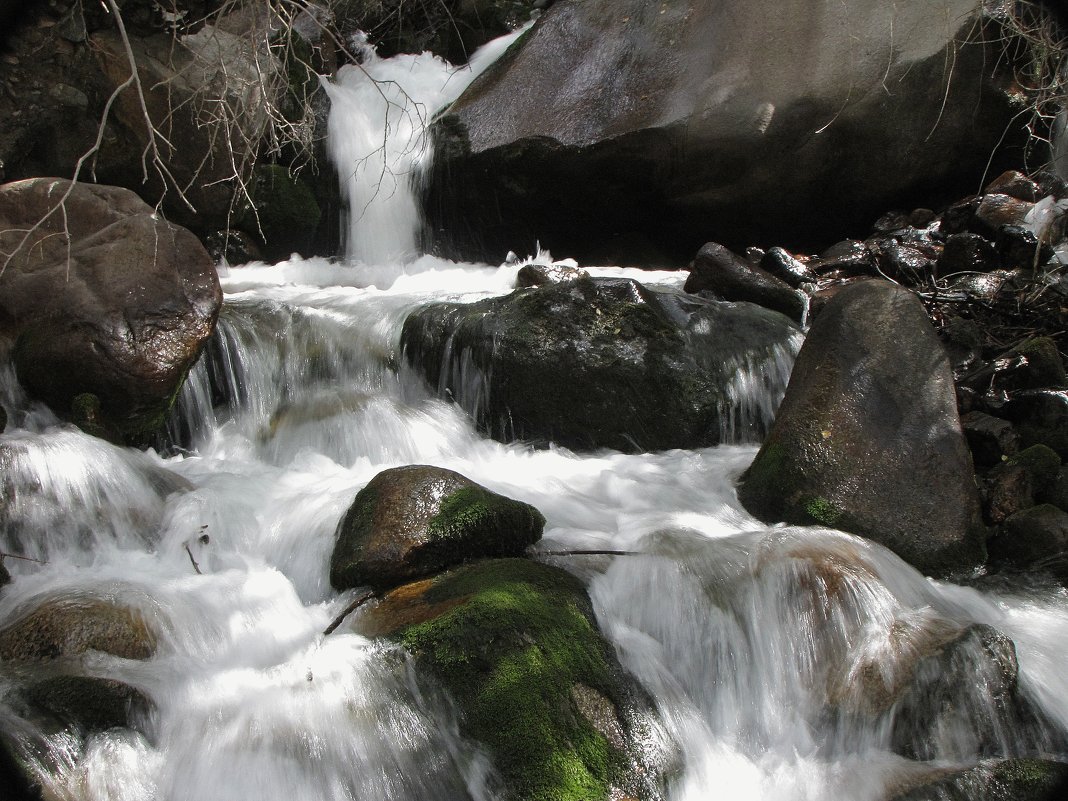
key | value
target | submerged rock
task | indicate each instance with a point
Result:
(994, 780)
(91, 703)
(595, 363)
(516, 644)
(120, 310)
(414, 521)
(867, 438)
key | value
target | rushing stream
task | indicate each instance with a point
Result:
(744, 635)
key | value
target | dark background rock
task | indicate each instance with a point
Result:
(628, 120)
(122, 314)
(867, 438)
(731, 277)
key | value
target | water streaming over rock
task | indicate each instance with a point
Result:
(784, 662)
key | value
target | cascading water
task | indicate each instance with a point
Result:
(771, 654)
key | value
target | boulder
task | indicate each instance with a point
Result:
(414, 521)
(283, 214)
(606, 363)
(990, 438)
(516, 645)
(1041, 417)
(90, 703)
(103, 297)
(67, 628)
(784, 266)
(657, 120)
(867, 438)
(731, 277)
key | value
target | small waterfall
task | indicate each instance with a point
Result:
(379, 113)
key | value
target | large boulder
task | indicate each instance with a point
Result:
(993, 780)
(101, 296)
(656, 120)
(516, 644)
(868, 439)
(606, 363)
(68, 628)
(414, 521)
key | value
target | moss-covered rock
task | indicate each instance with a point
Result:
(595, 363)
(284, 213)
(515, 643)
(994, 780)
(68, 627)
(414, 521)
(1042, 462)
(868, 439)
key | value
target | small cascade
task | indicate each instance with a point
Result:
(755, 392)
(379, 113)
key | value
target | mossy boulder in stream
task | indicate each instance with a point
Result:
(868, 439)
(515, 644)
(414, 521)
(994, 780)
(606, 363)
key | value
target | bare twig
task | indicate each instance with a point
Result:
(359, 601)
(6, 555)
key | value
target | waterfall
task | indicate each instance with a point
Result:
(771, 654)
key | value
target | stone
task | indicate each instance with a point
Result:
(993, 780)
(92, 704)
(657, 120)
(66, 628)
(1014, 184)
(846, 259)
(782, 265)
(967, 252)
(121, 310)
(516, 645)
(733, 278)
(1041, 417)
(415, 521)
(990, 438)
(996, 211)
(1019, 247)
(606, 363)
(531, 275)
(1009, 488)
(283, 215)
(1033, 539)
(867, 438)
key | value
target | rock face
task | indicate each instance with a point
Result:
(655, 121)
(867, 438)
(515, 643)
(120, 311)
(414, 521)
(549, 363)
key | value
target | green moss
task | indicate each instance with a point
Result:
(476, 508)
(510, 653)
(823, 511)
(284, 212)
(345, 568)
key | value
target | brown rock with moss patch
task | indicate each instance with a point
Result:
(868, 439)
(515, 643)
(414, 521)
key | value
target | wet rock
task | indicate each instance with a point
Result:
(414, 521)
(90, 703)
(959, 217)
(232, 246)
(17, 782)
(963, 341)
(733, 278)
(990, 438)
(1015, 184)
(5, 577)
(1057, 491)
(121, 310)
(67, 628)
(996, 211)
(1041, 462)
(1035, 538)
(967, 252)
(993, 780)
(531, 275)
(963, 701)
(1038, 365)
(782, 265)
(283, 215)
(545, 365)
(1041, 417)
(902, 262)
(656, 123)
(515, 643)
(921, 218)
(867, 438)
(1008, 489)
(845, 259)
(1019, 247)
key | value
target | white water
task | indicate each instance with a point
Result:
(757, 644)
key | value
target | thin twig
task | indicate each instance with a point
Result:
(589, 553)
(5, 555)
(348, 610)
(196, 567)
